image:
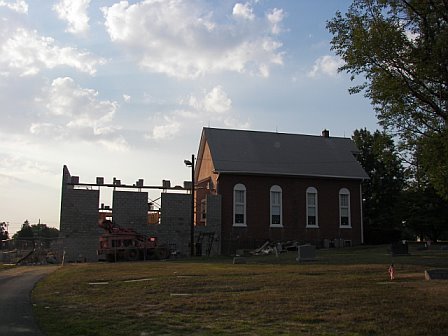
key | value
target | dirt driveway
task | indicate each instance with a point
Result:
(16, 313)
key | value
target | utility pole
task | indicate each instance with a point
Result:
(191, 164)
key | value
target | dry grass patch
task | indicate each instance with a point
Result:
(188, 298)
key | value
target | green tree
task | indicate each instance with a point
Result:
(4, 231)
(433, 155)
(43, 231)
(25, 232)
(426, 214)
(36, 230)
(381, 193)
(399, 49)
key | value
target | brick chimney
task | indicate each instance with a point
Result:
(326, 133)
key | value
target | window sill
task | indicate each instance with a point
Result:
(345, 226)
(276, 226)
(239, 225)
(312, 226)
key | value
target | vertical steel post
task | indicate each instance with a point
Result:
(192, 208)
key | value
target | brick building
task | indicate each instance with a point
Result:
(280, 187)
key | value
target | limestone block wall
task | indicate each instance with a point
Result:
(130, 210)
(79, 223)
(80, 213)
(174, 227)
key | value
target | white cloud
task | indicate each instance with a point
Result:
(67, 98)
(20, 6)
(326, 66)
(28, 53)
(118, 144)
(48, 130)
(243, 11)
(212, 106)
(6, 180)
(232, 122)
(215, 101)
(73, 112)
(75, 13)
(11, 163)
(16, 167)
(180, 39)
(168, 128)
(275, 17)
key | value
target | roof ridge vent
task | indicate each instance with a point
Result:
(326, 133)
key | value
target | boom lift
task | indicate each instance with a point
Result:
(125, 244)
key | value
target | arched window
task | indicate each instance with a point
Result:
(239, 205)
(311, 208)
(276, 206)
(344, 208)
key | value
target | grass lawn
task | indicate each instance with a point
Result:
(344, 292)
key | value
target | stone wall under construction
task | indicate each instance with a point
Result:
(79, 217)
(130, 210)
(174, 227)
(79, 221)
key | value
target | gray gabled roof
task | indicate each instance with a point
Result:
(251, 152)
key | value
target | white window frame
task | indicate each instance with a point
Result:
(275, 189)
(345, 192)
(312, 190)
(239, 187)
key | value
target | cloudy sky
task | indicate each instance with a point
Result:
(123, 88)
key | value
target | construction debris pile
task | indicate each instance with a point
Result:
(275, 248)
(31, 252)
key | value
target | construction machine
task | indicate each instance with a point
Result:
(125, 244)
